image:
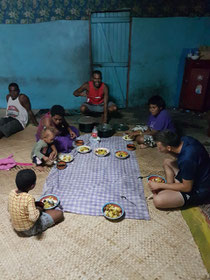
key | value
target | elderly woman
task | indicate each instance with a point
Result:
(65, 134)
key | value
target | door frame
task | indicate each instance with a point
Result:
(129, 47)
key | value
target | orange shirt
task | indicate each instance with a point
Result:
(22, 210)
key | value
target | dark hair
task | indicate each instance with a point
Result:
(25, 179)
(167, 138)
(57, 110)
(97, 72)
(157, 100)
(14, 85)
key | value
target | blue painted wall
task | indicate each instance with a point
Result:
(50, 60)
(159, 48)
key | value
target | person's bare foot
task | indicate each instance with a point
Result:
(143, 146)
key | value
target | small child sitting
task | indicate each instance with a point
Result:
(159, 120)
(44, 151)
(26, 218)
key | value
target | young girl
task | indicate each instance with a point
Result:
(44, 151)
(26, 218)
(159, 120)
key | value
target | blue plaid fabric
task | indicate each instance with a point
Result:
(90, 181)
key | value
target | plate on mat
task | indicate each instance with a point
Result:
(50, 201)
(65, 157)
(112, 211)
(127, 138)
(84, 149)
(156, 178)
(121, 154)
(101, 152)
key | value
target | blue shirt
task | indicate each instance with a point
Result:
(194, 164)
(161, 122)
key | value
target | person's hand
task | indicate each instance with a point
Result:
(45, 158)
(53, 155)
(40, 209)
(84, 94)
(72, 134)
(39, 205)
(132, 134)
(154, 186)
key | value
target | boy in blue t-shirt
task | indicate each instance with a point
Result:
(159, 120)
(187, 177)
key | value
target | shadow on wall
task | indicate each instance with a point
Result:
(142, 95)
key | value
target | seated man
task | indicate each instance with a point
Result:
(18, 109)
(188, 177)
(97, 94)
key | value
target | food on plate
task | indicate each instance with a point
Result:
(131, 147)
(61, 165)
(127, 138)
(112, 211)
(79, 142)
(121, 154)
(49, 202)
(101, 152)
(156, 179)
(65, 157)
(83, 149)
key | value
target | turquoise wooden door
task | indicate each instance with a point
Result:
(109, 51)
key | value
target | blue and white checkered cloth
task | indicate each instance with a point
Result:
(90, 181)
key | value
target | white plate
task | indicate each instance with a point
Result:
(84, 149)
(65, 157)
(101, 152)
(52, 198)
(127, 138)
(121, 154)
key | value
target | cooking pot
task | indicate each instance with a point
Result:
(86, 124)
(105, 130)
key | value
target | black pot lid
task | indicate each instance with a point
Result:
(121, 127)
(86, 120)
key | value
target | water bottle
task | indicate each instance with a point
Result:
(94, 133)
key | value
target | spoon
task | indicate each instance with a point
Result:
(124, 197)
(141, 177)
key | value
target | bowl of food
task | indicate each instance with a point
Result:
(84, 149)
(101, 152)
(79, 142)
(156, 178)
(113, 211)
(61, 165)
(121, 154)
(131, 147)
(50, 201)
(127, 138)
(65, 157)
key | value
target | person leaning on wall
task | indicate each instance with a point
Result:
(17, 112)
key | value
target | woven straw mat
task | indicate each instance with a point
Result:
(85, 247)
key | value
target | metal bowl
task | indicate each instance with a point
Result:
(105, 130)
(105, 211)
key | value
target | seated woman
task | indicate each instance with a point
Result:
(64, 133)
(159, 120)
